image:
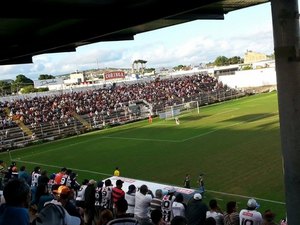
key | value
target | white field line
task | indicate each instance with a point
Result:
(141, 139)
(147, 139)
(53, 166)
(231, 110)
(238, 101)
(164, 140)
(221, 128)
(244, 196)
(105, 174)
(58, 148)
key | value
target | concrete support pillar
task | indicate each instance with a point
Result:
(286, 43)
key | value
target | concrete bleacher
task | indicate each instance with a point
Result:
(65, 114)
(58, 129)
(13, 137)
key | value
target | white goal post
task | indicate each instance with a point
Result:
(171, 112)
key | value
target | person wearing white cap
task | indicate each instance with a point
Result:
(196, 210)
(250, 215)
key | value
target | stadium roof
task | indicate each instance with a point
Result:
(32, 27)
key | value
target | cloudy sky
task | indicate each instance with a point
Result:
(193, 43)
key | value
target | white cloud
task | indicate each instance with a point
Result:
(165, 47)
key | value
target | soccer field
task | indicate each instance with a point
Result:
(236, 144)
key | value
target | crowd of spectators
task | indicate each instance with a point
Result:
(103, 203)
(107, 101)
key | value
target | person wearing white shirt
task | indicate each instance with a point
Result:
(142, 204)
(250, 215)
(215, 212)
(178, 208)
(130, 198)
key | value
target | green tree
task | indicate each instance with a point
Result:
(46, 77)
(149, 70)
(5, 88)
(235, 60)
(247, 67)
(179, 67)
(221, 61)
(42, 89)
(21, 81)
(28, 89)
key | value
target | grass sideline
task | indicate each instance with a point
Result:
(236, 144)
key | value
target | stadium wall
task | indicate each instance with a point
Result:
(250, 78)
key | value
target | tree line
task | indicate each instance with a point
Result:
(23, 84)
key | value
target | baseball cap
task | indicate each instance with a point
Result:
(252, 203)
(131, 188)
(197, 196)
(119, 182)
(62, 190)
(100, 183)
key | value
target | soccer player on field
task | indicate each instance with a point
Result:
(177, 121)
(150, 118)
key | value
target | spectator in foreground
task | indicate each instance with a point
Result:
(210, 221)
(121, 216)
(17, 197)
(155, 203)
(89, 203)
(166, 205)
(142, 204)
(254, 217)
(63, 195)
(215, 212)
(130, 198)
(156, 217)
(268, 218)
(105, 216)
(24, 175)
(178, 207)
(179, 220)
(231, 216)
(196, 210)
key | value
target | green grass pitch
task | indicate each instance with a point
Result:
(236, 144)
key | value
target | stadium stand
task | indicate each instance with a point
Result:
(53, 116)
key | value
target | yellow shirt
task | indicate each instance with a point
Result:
(116, 173)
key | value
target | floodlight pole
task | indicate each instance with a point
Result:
(286, 34)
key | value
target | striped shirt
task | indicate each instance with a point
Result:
(155, 204)
(117, 193)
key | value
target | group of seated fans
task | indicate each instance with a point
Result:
(36, 198)
(108, 100)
